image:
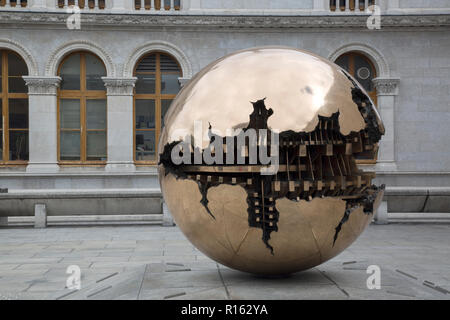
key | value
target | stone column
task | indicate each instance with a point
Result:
(120, 123)
(387, 89)
(43, 133)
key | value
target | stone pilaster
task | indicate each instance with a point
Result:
(43, 133)
(120, 123)
(387, 90)
(386, 86)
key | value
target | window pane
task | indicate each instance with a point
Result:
(16, 66)
(1, 116)
(147, 64)
(145, 145)
(145, 114)
(169, 83)
(70, 145)
(364, 73)
(96, 114)
(168, 64)
(69, 113)
(94, 71)
(96, 145)
(17, 85)
(18, 145)
(342, 61)
(145, 83)
(70, 73)
(1, 145)
(165, 104)
(18, 113)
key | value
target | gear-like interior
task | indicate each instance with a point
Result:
(320, 163)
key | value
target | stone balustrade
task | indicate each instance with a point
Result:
(230, 7)
(351, 6)
(4, 4)
(106, 6)
(82, 4)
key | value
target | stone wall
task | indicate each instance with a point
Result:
(412, 61)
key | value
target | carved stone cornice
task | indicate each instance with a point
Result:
(42, 85)
(119, 86)
(386, 86)
(148, 21)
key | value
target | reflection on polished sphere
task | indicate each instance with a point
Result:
(257, 160)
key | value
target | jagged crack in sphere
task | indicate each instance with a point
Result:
(311, 119)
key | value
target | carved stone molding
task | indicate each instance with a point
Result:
(386, 86)
(164, 46)
(42, 85)
(119, 86)
(372, 53)
(159, 21)
(24, 53)
(78, 45)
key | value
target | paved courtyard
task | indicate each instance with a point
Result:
(152, 262)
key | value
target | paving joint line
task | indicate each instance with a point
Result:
(223, 282)
(334, 282)
(142, 282)
(406, 274)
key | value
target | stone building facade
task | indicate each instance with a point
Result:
(405, 64)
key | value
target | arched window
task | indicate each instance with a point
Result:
(14, 109)
(362, 69)
(82, 110)
(156, 86)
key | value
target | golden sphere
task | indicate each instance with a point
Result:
(313, 120)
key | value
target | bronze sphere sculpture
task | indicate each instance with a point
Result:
(257, 160)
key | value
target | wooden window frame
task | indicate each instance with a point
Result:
(351, 67)
(373, 94)
(5, 95)
(82, 95)
(157, 97)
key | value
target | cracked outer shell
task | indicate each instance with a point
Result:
(299, 87)
(305, 229)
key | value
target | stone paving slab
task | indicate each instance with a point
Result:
(152, 262)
